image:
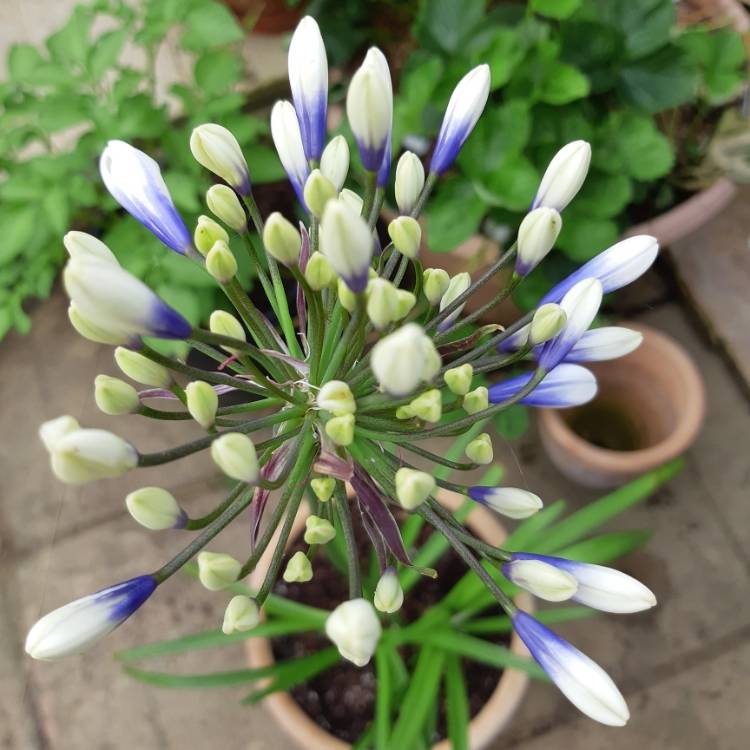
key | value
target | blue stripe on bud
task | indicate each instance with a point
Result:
(125, 598)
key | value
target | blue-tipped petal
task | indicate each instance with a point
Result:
(385, 167)
(567, 385)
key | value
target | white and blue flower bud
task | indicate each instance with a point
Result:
(156, 509)
(476, 400)
(97, 334)
(404, 359)
(216, 148)
(352, 199)
(118, 304)
(83, 244)
(547, 322)
(346, 242)
(389, 596)
(435, 283)
(458, 379)
(79, 624)
(369, 108)
(564, 387)
(223, 203)
(142, 369)
(282, 240)
(225, 324)
(413, 487)
(234, 453)
(536, 237)
(318, 272)
(382, 303)
(564, 176)
(464, 109)
(135, 182)
(207, 232)
(242, 614)
(221, 263)
(298, 569)
(308, 79)
(114, 396)
(53, 430)
(428, 405)
(202, 402)
(615, 268)
(334, 164)
(540, 579)
(580, 305)
(599, 587)
(288, 141)
(318, 530)
(406, 235)
(336, 397)
(581, 680)
(341, 429)
(88, 454)
(355, 630)
(323, 488)
(457, 286)
(384, 171)
(600, 344)
(480, 450)
(508, 501)
(318, 191)
(409, 181)
(217, 570)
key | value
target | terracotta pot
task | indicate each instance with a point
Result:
(484, 727)
(649, 410)
(271, 16)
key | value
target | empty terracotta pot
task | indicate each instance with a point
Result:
(648, 410)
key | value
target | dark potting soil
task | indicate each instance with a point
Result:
(341, 700)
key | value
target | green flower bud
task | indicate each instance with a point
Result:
(341, 429)
(141, 369)
(351, 199)
(458, 379)
(428, 406)
(234, 453)
(347, 298)
(323, 488)
(298, 569)
(435, 283)
(216, 570)
(389, 596)
(318, 530)
(547, 322)
(202, 403)
(413, 487)
(318, 272)
(221, 263)
(226, 324)
(477, 400)
(457, 286)
(281, 239)
(409, 181)
(207, 232)
(215, 148)
(318, 191)
(406, 235)
(114, 396)
(336, 396)
(405, 302)
(404, 412)
(242, 614)
(223, 203)
(480, 450)
(382, 302)
(155, 508)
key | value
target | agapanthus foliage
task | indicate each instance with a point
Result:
(348, 392)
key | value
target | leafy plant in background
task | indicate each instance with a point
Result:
(94, 80)
(614, 73)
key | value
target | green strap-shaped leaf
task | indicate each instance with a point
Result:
(606, 547)
(502, 623)
(383, 696)
(209, 680)
(456, 704)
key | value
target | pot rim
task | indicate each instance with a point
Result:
(682, 435)
(483, 728)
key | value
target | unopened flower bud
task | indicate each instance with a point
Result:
(404, 412)
(355, 629)
(318, 191)
(405, 302)
(435, 284)
(207, 232)
(346, 241)
(564, 176)
(404, 359)
(409, 181)
(508, 501)
(87, 328)
(242, 614)
(347, 298)
(536, 237)
(382, 302)
(323, 488)
(336, 396)
(547, 322)
(458, 379)
(298, 569)
(215, 148)
(87, 454)
(142, 369)
(234, 453)
(202, 402)
(406, 235)
(457, 286)
(389, 596)
(221, 263)
(223, 202)
(334, 163)
(53, 430)
(476, 400)
(352, 199)
(226, 324)
(413, 487)
(318, 272)
(281, 239)
(480, 450)
(428, 406)
(318, 530)
(545, 581)
(114, 396)
(216, 570)
(81, 243)
(155, 508)
(341, 429)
